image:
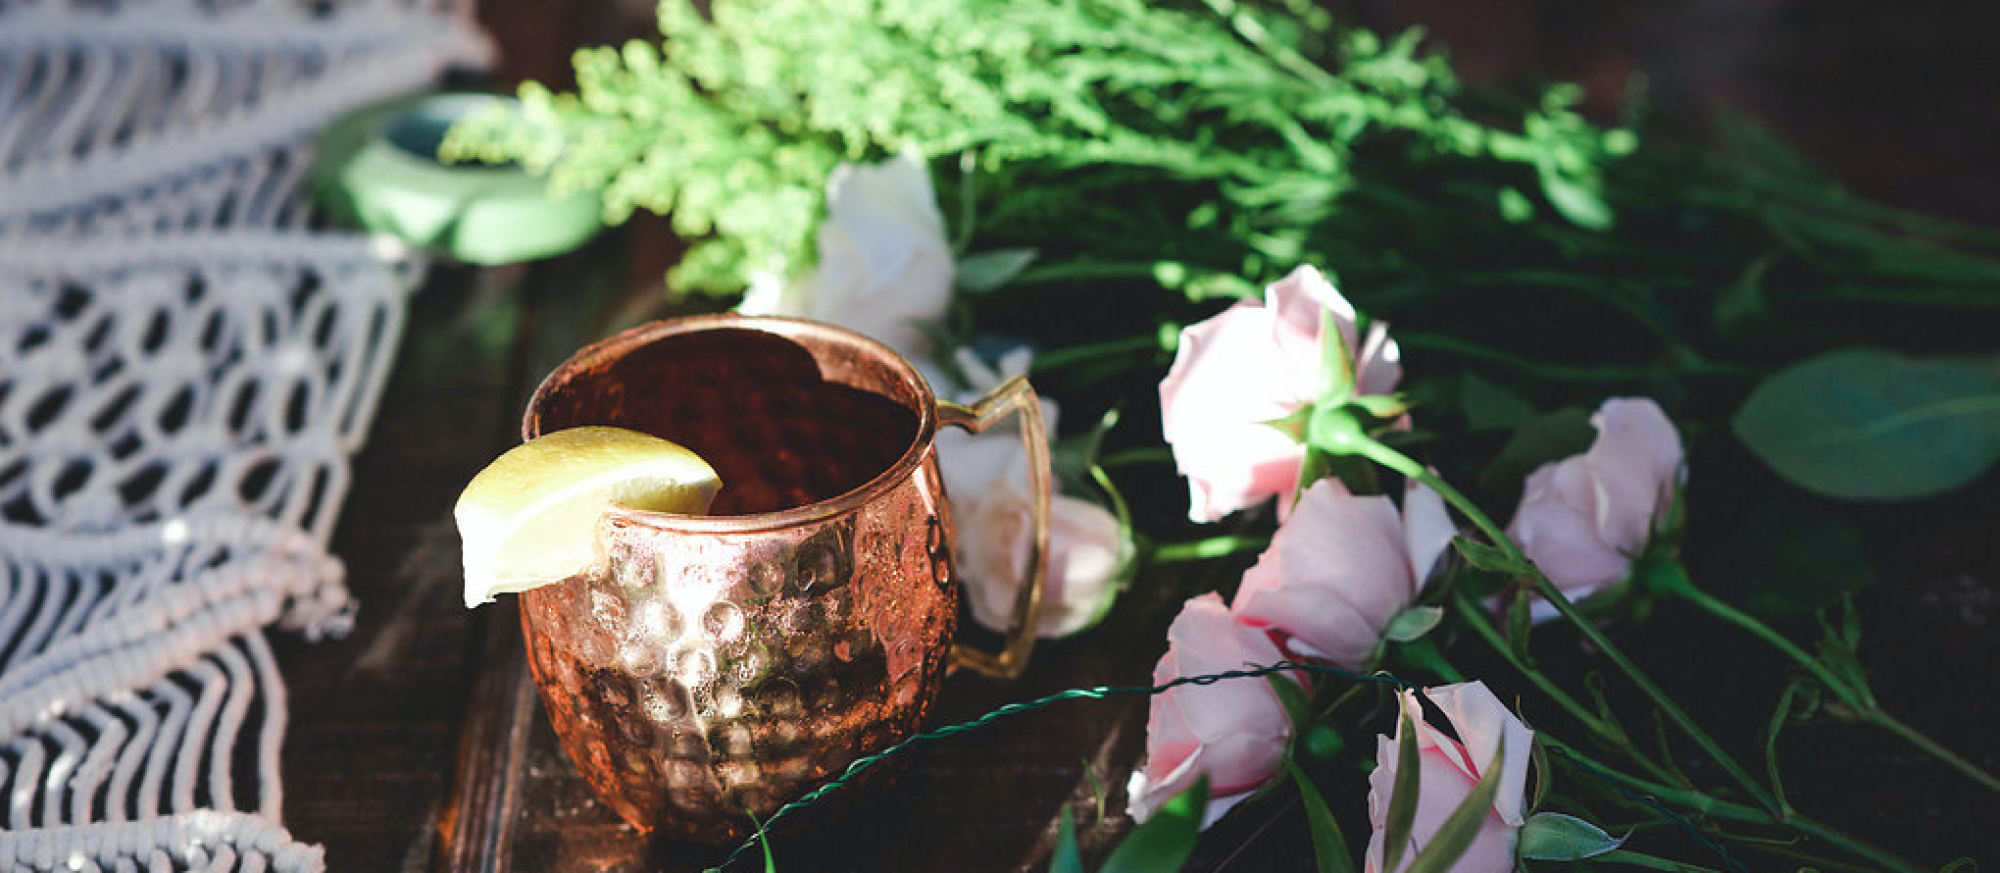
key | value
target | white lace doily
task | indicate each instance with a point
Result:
(187, 364)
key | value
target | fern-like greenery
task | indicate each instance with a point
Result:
(1234, 119)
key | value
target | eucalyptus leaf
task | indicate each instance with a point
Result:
(1554, 836)
(990, 271)
(1165, 841)
(1867, 424)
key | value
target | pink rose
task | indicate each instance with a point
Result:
(1233, 731)
(1450, 768)
(1251, 364)
(1583, 518)
(1341, 567)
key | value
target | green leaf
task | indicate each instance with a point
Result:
(1549, 437)
(1385, 408)
(764, 840)
(1553, 836)
(1866, 424)
(1166, 840)
(1403, 796)
(1413, 623)
(1456, 834)
(1066, 858)
(989, 271)
(1780, 717)
(1521, 626)
(1336, 363)
(1492, 559)
(1294, 700)
(1488, 405)
(1584, 207)
(1330, 854)
(1783, 554)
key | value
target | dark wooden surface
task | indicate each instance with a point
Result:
(414, 744)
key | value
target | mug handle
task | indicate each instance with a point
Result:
(1014, 395)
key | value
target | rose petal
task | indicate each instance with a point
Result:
(1562, 538)
(1449, 772)
(1336, 573)
(1484, 726)
(1225, 384)
(1634, 461)
(1235, 732)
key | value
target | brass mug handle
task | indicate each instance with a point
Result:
(1014, 395)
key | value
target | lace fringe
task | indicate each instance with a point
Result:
(186, 366)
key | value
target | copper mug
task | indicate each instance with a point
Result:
(713, 667)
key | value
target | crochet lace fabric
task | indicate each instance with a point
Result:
(187, 364)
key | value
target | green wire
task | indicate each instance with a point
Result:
(1094, 693)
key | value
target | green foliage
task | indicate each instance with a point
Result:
(1459, 829)
(1165, 841)
(1067, 857)
(1783, 554)
(1553, 836)
(1402, 814)
(731, 123)
(1330, 852)
(1870, 424)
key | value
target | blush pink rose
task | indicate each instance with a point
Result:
(1341, 567)
(1450, 768)
(1583, 518)
(1234, 731)
(1251, 364)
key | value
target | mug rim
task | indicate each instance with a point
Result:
(790, 328)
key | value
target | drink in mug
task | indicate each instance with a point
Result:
(716, 666)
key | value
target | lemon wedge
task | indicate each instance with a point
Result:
(530, 517)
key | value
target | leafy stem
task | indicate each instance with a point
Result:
(1650, 862)
(1648, 792)
(1408, 467)
(1853, 695)
(1610, 732)
(1209, 547)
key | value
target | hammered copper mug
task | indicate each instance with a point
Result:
(713, 667)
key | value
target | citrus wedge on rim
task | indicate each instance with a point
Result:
(530, 517)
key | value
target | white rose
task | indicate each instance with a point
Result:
(986, 476)
(885, 267)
